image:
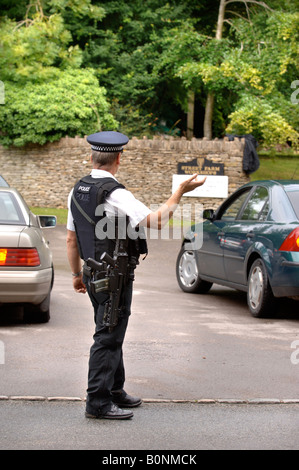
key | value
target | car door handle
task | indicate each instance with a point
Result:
(250, 234)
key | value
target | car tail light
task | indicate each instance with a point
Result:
(19, 257)
(291, 243)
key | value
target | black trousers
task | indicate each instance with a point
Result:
(106, 367)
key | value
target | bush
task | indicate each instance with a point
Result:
(256, 116)
(71, 103)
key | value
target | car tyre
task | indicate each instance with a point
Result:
(187, 273)
(260, 298)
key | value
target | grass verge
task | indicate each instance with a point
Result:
(284, 168)
(61, 214)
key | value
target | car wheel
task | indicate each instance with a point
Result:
(260, 298)
(187, 273)
(38, 313)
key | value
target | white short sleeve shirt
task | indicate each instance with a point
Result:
(120, 201)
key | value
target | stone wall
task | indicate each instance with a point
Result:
(45, 174)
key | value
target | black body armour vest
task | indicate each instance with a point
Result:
(92, 234)
(90, 194)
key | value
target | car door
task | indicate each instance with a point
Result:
(242, 232)
(210, 256)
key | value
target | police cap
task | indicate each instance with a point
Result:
(107, 141)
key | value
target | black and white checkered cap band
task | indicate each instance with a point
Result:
(99, 148)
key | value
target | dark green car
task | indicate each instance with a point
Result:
(250, 243)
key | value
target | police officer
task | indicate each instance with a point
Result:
(106, 397)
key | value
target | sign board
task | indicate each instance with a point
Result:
(214, 186)
(202, 166)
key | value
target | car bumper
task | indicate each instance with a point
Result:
(286, 280)
(25, 286)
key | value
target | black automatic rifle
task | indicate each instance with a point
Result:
(110, 275)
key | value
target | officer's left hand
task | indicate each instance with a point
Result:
(191, 183)
(78, 285)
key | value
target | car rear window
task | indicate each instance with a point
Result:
(293, 195)
(10, 212)
(3, 182)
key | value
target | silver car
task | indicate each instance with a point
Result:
(3, 182)
(26, 265)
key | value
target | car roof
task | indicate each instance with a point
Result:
(8, 189)
(277, 187)
(271, 183)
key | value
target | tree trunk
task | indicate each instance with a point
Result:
(207, 126)
(220, 21)
(190, 116)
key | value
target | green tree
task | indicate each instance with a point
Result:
(268, 109)
(251, 67)
(125, 49)
(154, 57)
(71, 103)
(47, 95)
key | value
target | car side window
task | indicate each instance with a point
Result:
(233, 209)
(257, 207)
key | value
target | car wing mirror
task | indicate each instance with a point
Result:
(208, 214)
(47, 221)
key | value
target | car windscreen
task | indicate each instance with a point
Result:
(293, 195)
(10, 212)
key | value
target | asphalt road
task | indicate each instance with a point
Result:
(159, 426)
(178, 347)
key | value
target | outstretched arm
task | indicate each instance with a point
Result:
(160, 217)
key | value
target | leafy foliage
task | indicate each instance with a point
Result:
(254, 67)
(47, 95)
(35, 50)
(71, 104)
(268, 110)
(149, 57)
